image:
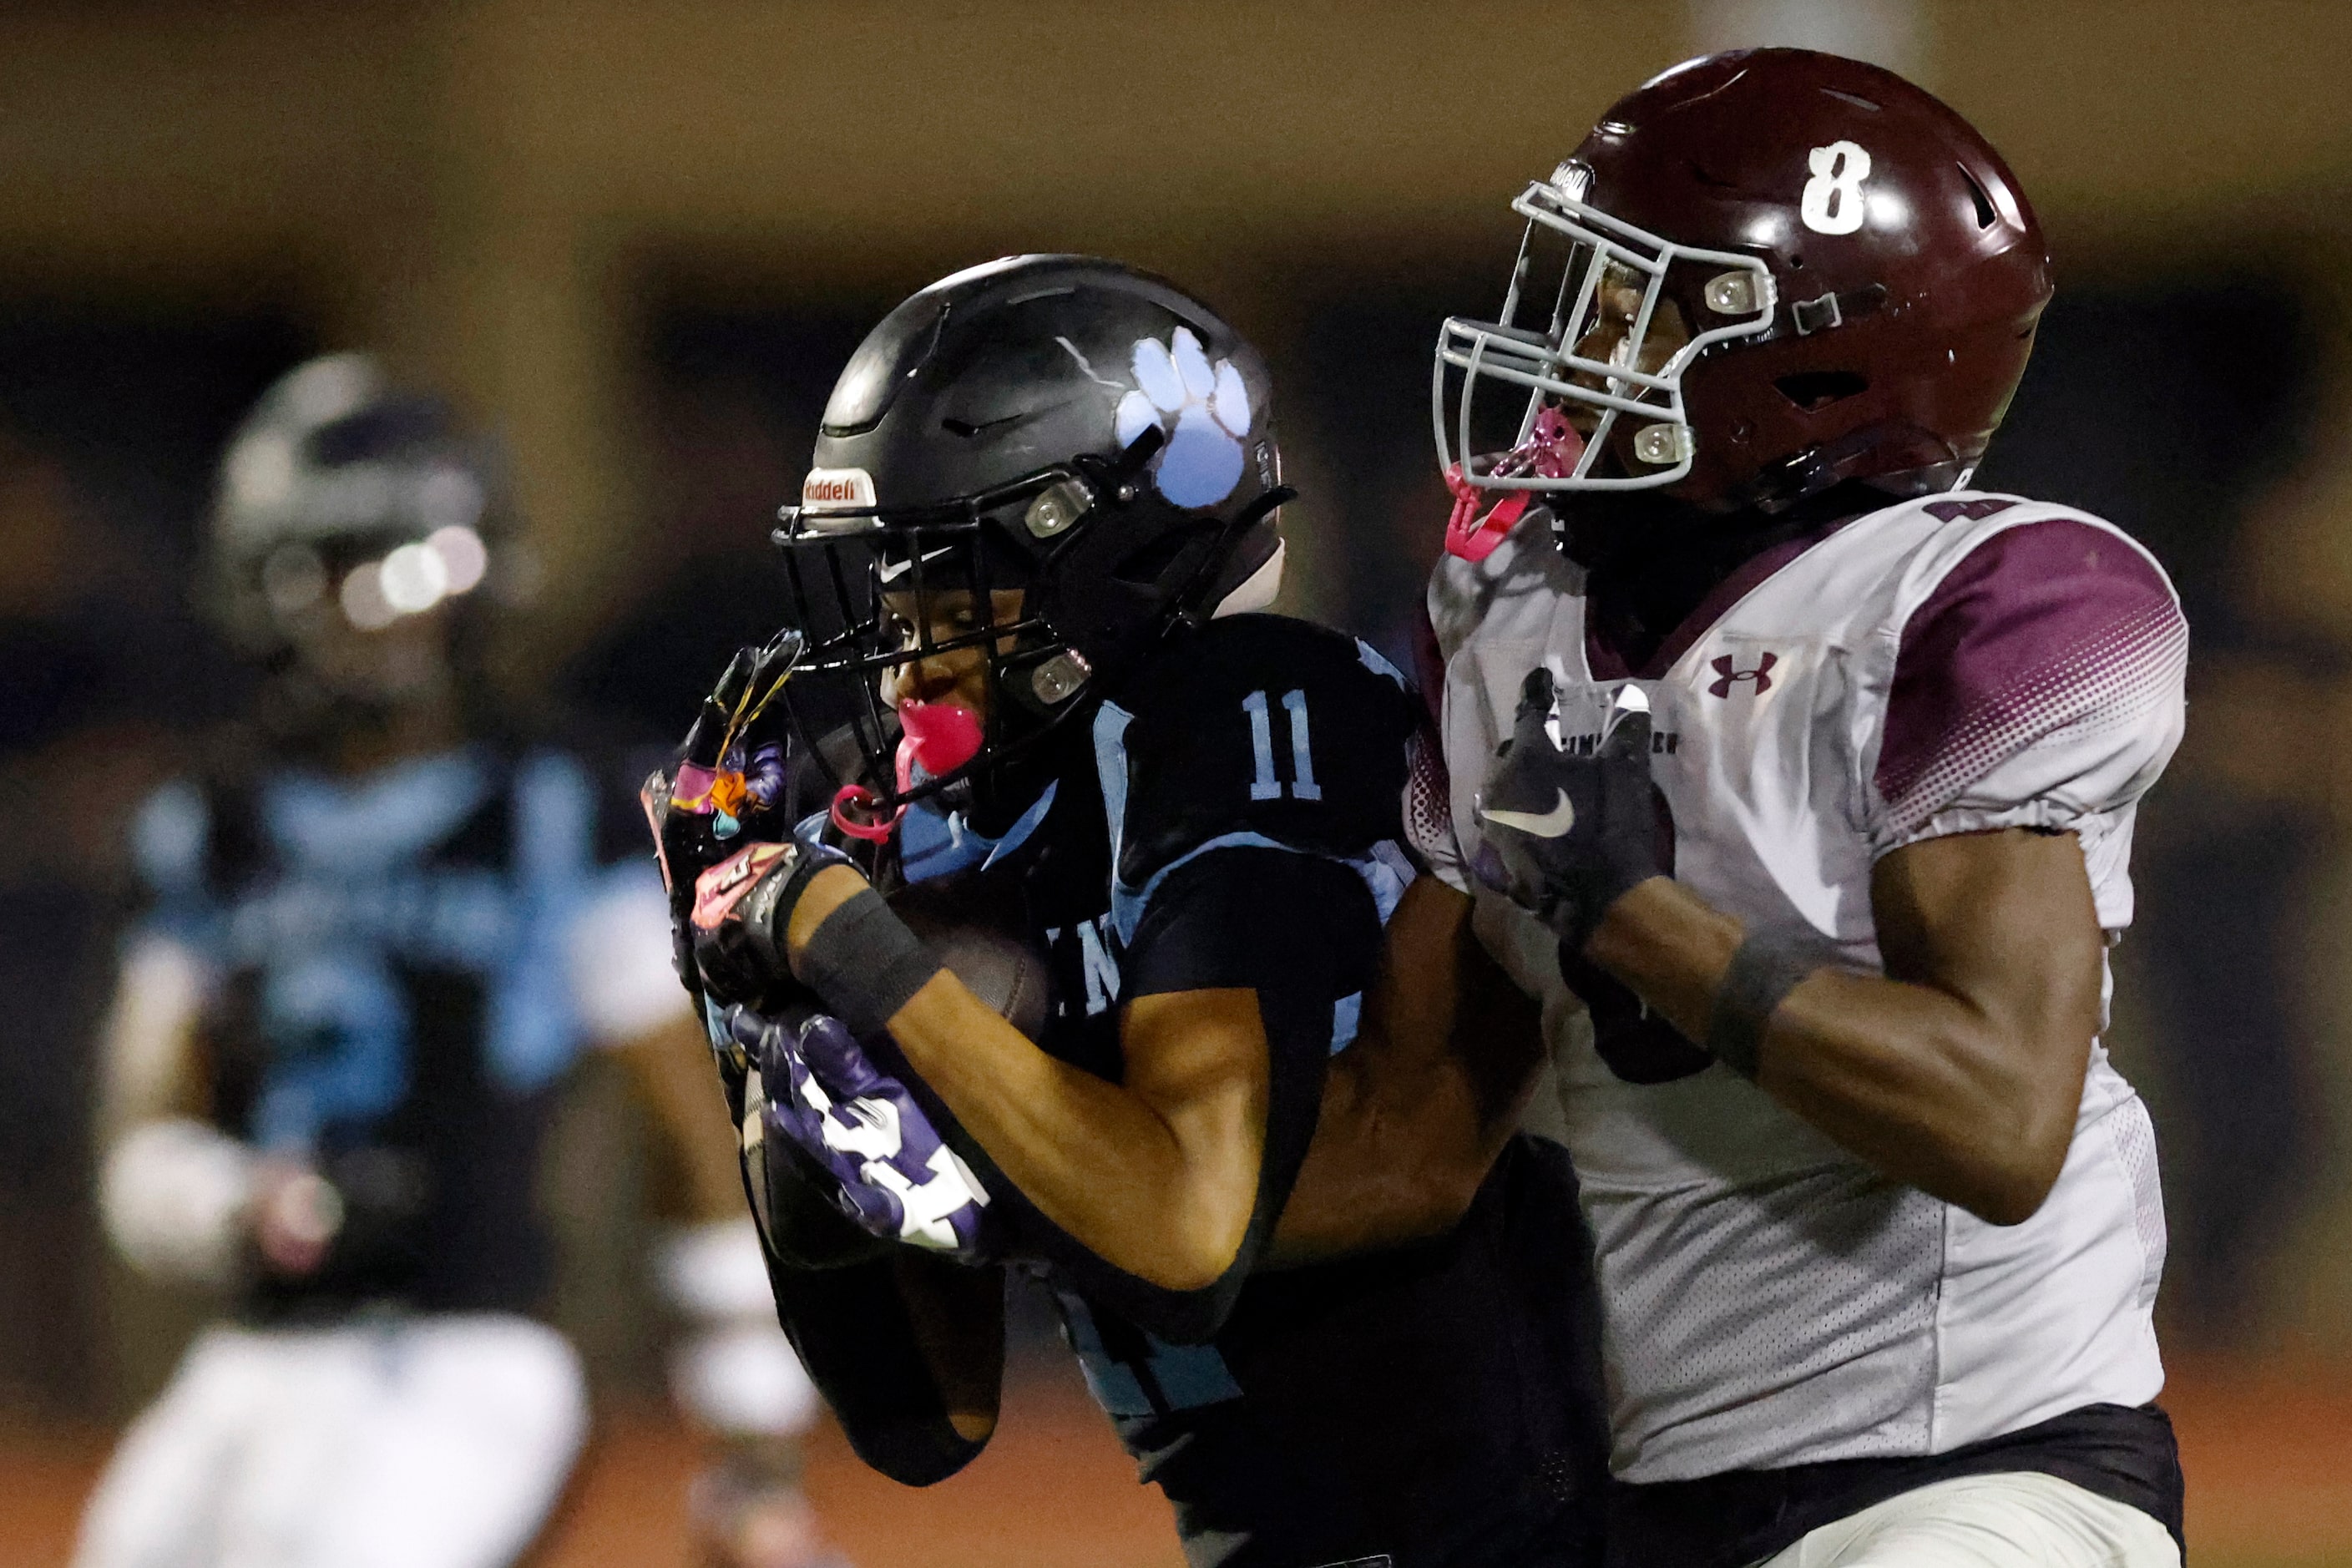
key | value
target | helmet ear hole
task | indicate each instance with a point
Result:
(1813, 390)
(1977, 195)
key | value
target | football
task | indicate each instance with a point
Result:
(971, 934)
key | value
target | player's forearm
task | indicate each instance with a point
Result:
(1163, 1191)
(1158, 1175)
(1379, 1173)
(1924, 1087)
(1918, 1082)
(1415, 1111)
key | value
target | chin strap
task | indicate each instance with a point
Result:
(1900, 459)
(1193, 609)
(856, 811)
(1258, 590)
(1113, 475)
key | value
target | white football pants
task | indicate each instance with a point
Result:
(432, 1442)
(2020, 1521)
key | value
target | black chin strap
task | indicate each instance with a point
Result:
(1112, 476)
(1194, 607)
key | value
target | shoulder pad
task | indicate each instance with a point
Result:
(2050, 633)
(2074, 541)
(1257, 724)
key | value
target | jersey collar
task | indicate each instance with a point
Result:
(1607, 663)
(932, 845)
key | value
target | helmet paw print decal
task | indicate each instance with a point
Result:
(1204, 409)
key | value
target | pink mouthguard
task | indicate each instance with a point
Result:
(1551, 449)
(939, 737)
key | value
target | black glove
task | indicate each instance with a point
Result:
(1568, 834)
(700, 807)
(742, 909)
(693, 834)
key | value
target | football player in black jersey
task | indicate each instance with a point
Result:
(1030, 688)
(381, 933)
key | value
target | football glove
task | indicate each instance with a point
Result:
(696, 806)
(742, 907)
(1568, 834)
(896, 1177)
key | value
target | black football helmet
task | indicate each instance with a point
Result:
(344, 495)
(360, 536)
(1085, 435)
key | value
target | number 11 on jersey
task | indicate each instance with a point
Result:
(1264, 784)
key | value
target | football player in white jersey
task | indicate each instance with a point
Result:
(1810, 774)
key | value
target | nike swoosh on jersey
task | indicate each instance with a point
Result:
(1540, 825)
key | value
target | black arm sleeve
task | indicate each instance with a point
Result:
(799, 1218)
(1302, 932)
(851, 1303)
(854, 1329)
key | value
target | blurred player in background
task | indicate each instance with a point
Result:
(1155, 835)
(1821, 777)
(382, 929)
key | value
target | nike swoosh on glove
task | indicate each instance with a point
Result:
(1567, 834)
(899, 1179)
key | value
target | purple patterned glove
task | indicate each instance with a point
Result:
(899, 1179)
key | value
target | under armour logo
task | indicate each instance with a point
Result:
(1761, 675)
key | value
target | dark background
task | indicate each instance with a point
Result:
(638, 241)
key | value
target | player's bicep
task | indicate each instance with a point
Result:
(1198, 1059)
(615, 951)
(2004, 922)
(1247, 973)
(1188, 1051)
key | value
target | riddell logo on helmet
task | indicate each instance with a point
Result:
(835, 490)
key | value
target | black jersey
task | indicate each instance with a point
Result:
(392, 999)
(1235, 822)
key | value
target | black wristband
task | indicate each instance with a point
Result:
(865, 962)
(1762, 973)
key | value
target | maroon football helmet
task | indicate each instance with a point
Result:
(1784, 271)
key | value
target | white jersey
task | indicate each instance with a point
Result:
(1948, 665)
